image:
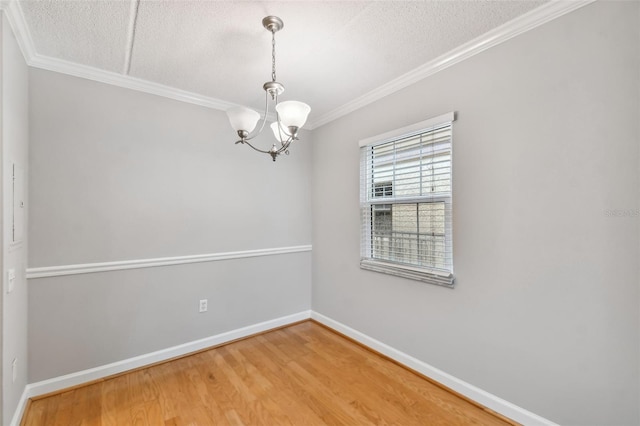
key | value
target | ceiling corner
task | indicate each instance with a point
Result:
(523, 23)
(15, 16)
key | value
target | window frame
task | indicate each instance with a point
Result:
(432, 275)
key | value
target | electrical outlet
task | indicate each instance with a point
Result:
(203, 305)
(14, 369)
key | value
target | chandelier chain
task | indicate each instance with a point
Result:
(273, 55)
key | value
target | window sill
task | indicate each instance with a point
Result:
(443, 279)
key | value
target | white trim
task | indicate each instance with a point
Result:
(21, 29)
(13, 12)
(11, 9)
(478, 395)
(86, 268)
(430, 276)
(62, 382)
(523, 23)
(536, 17)
(128, 82)
(407, 130)
(74, 379)
(17, 20)
(22, 404)
(430, 271)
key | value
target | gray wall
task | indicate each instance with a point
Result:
(122, 175)
(545, 309)
(15, 134)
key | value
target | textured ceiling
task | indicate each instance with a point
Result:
(328, 53)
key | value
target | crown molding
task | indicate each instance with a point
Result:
(133, 83)
(13, 12)
(128, 82)
(15, 15)
(530, 20)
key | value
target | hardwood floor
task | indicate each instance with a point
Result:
(304, 374)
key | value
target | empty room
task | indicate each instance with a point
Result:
(320, 212)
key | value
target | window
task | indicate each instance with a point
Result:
(405, 202)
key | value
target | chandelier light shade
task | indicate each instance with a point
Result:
(290, 115)
(242, 118)
(293, 113)
(278, 132)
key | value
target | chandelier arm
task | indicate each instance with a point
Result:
(264, 119)
(289, 138)
(266, 113)
(256, 149)
(272, 88)
(278, 119)
(285, 142)
(285, 145)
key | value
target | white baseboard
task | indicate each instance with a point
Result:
(84, 376)
(22, 404)
(478, 395)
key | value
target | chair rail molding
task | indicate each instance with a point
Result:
(87, 268)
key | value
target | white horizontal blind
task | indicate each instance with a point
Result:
(406, 205)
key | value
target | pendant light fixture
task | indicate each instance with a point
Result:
(290, 115)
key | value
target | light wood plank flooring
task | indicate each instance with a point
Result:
(303, 374)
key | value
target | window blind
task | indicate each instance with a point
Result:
(406, 203)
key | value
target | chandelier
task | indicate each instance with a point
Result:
(290, 115)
